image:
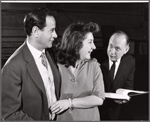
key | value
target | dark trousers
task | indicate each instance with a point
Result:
(109, 110)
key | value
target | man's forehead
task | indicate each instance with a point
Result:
(118, 40)
(50, 20)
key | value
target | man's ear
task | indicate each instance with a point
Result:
(127, 49)
(35, 31)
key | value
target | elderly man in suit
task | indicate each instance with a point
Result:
(30, 78)
(118, 72)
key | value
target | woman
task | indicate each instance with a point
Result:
(82, 89)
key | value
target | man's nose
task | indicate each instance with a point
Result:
(55, 34)
(112, 50)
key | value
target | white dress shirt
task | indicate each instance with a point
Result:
(46, 74)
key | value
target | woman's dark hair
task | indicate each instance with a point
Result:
(71, 43)
(37, 17)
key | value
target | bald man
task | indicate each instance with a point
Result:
(123, 73)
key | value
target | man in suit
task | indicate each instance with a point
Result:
(120, 76)
(31, 82)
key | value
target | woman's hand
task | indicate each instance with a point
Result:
(60, 106)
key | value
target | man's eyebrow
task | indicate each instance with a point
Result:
(118, 47)
(51, 29)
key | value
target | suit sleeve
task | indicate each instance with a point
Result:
(130, 81)
(11, 94)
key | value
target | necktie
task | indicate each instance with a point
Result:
(49, 87)
(44, 62)
(112, 70)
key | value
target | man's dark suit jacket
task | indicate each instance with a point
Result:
(23, 92)
(124, 79)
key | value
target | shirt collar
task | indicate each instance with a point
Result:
(35, 52)
(111, 62)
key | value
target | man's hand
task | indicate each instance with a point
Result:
(121, 101)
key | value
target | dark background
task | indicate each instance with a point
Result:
(132, 18)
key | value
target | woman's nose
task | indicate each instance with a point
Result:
(93, 46)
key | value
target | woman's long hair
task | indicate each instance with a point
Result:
(71, 43)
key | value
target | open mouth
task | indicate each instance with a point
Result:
(90, 52)
(112, 57)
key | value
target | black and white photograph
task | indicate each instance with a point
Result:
(74, 61)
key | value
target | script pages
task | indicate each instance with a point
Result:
(124, 94)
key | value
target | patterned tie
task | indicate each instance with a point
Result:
(49, 88)
(44, 62)
(112, 70)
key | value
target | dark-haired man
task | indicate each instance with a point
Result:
(31, 81)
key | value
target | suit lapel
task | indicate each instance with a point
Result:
(107, 78)
(34, 73)
(32, 69)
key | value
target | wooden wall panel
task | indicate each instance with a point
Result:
(127, 17)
